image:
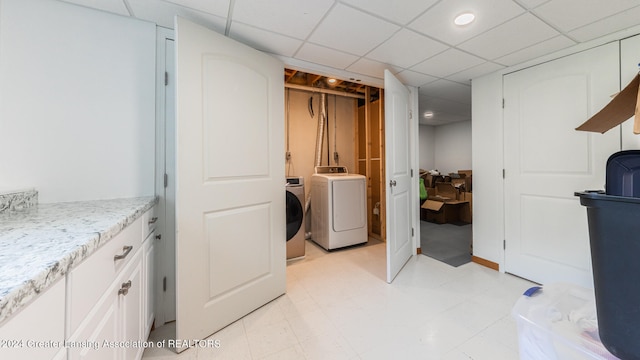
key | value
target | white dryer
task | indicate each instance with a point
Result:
(338, 207)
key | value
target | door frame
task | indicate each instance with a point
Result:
(165, 257)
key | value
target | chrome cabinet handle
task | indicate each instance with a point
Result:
(392, 183)
(127, 250)
(124, 290)
(153, 220)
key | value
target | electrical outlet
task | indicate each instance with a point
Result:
(287, 155)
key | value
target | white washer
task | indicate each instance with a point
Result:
(295, 217)
(338, 207)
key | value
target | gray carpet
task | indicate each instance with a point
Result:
(449, 243)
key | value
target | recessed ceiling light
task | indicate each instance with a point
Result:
(464, 19)
(428, 114)
(331, 80)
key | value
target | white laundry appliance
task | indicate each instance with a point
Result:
(338, 207)
(295, 217)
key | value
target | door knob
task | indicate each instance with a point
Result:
(392, 183)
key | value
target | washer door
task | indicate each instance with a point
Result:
(294, 215)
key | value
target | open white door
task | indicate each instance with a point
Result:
(230, 195)
(398, 174)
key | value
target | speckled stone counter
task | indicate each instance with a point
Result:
(40, 244)
(16, 200)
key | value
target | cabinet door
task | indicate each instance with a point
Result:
(19, 334)
(149, 281)
(100, 327)
(131, 309)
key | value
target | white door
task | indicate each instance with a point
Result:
(546, 161)
(230, 196)
(398, 174)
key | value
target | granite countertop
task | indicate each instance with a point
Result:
(40, 244)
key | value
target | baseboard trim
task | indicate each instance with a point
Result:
(485, 262)
(419, 251)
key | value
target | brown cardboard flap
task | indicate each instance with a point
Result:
(617, 111)
(432, 205)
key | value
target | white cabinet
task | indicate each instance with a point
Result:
(108, 305)
(37, 331)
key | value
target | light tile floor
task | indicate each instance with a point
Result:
(339, 306)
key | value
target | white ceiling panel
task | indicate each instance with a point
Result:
(218, 7)
(546, 47)
(372, 68)
(445, 89)
(324, 56)
(465, 76)
(444, 106)
(519, 33)
(413, 78)
(625, 19)
(530, 4)
(568, 15)
(416, 39)
(264, 40)
(448, 62)
(438, 21)
(406, 48)
(112, 6)
(293, 18)
(352, 31)
(163, 13)
(399, 11)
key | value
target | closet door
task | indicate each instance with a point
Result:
(546, 161)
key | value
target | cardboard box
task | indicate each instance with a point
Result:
(446, 190)
(623, 106)
(446, 212)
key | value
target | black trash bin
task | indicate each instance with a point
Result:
(614, 235)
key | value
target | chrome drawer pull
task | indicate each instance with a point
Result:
(153, 220)
(124, 290)
(127, 250)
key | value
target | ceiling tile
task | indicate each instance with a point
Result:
(445, 89)
(400, 12)
(352, 31)
(264, 40)
(448, 62)
(112, 6)
(406, 48)
(444, 106)
(568, 15)
(218, 7)
(509, 37)
(530, 4)
(537, 50)
(438, 21)
(611, 24)
(465, 76)
(413, 78)
(325, 56)
(369, 67)
(293, 18)
(163, 13)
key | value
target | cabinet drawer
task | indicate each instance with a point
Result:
(89, 280)
(149, 222)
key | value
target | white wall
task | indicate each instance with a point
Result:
(427, 147)
(453, 147)
(77, 101)
(488, 203)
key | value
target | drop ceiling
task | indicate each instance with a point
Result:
(415, 39)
